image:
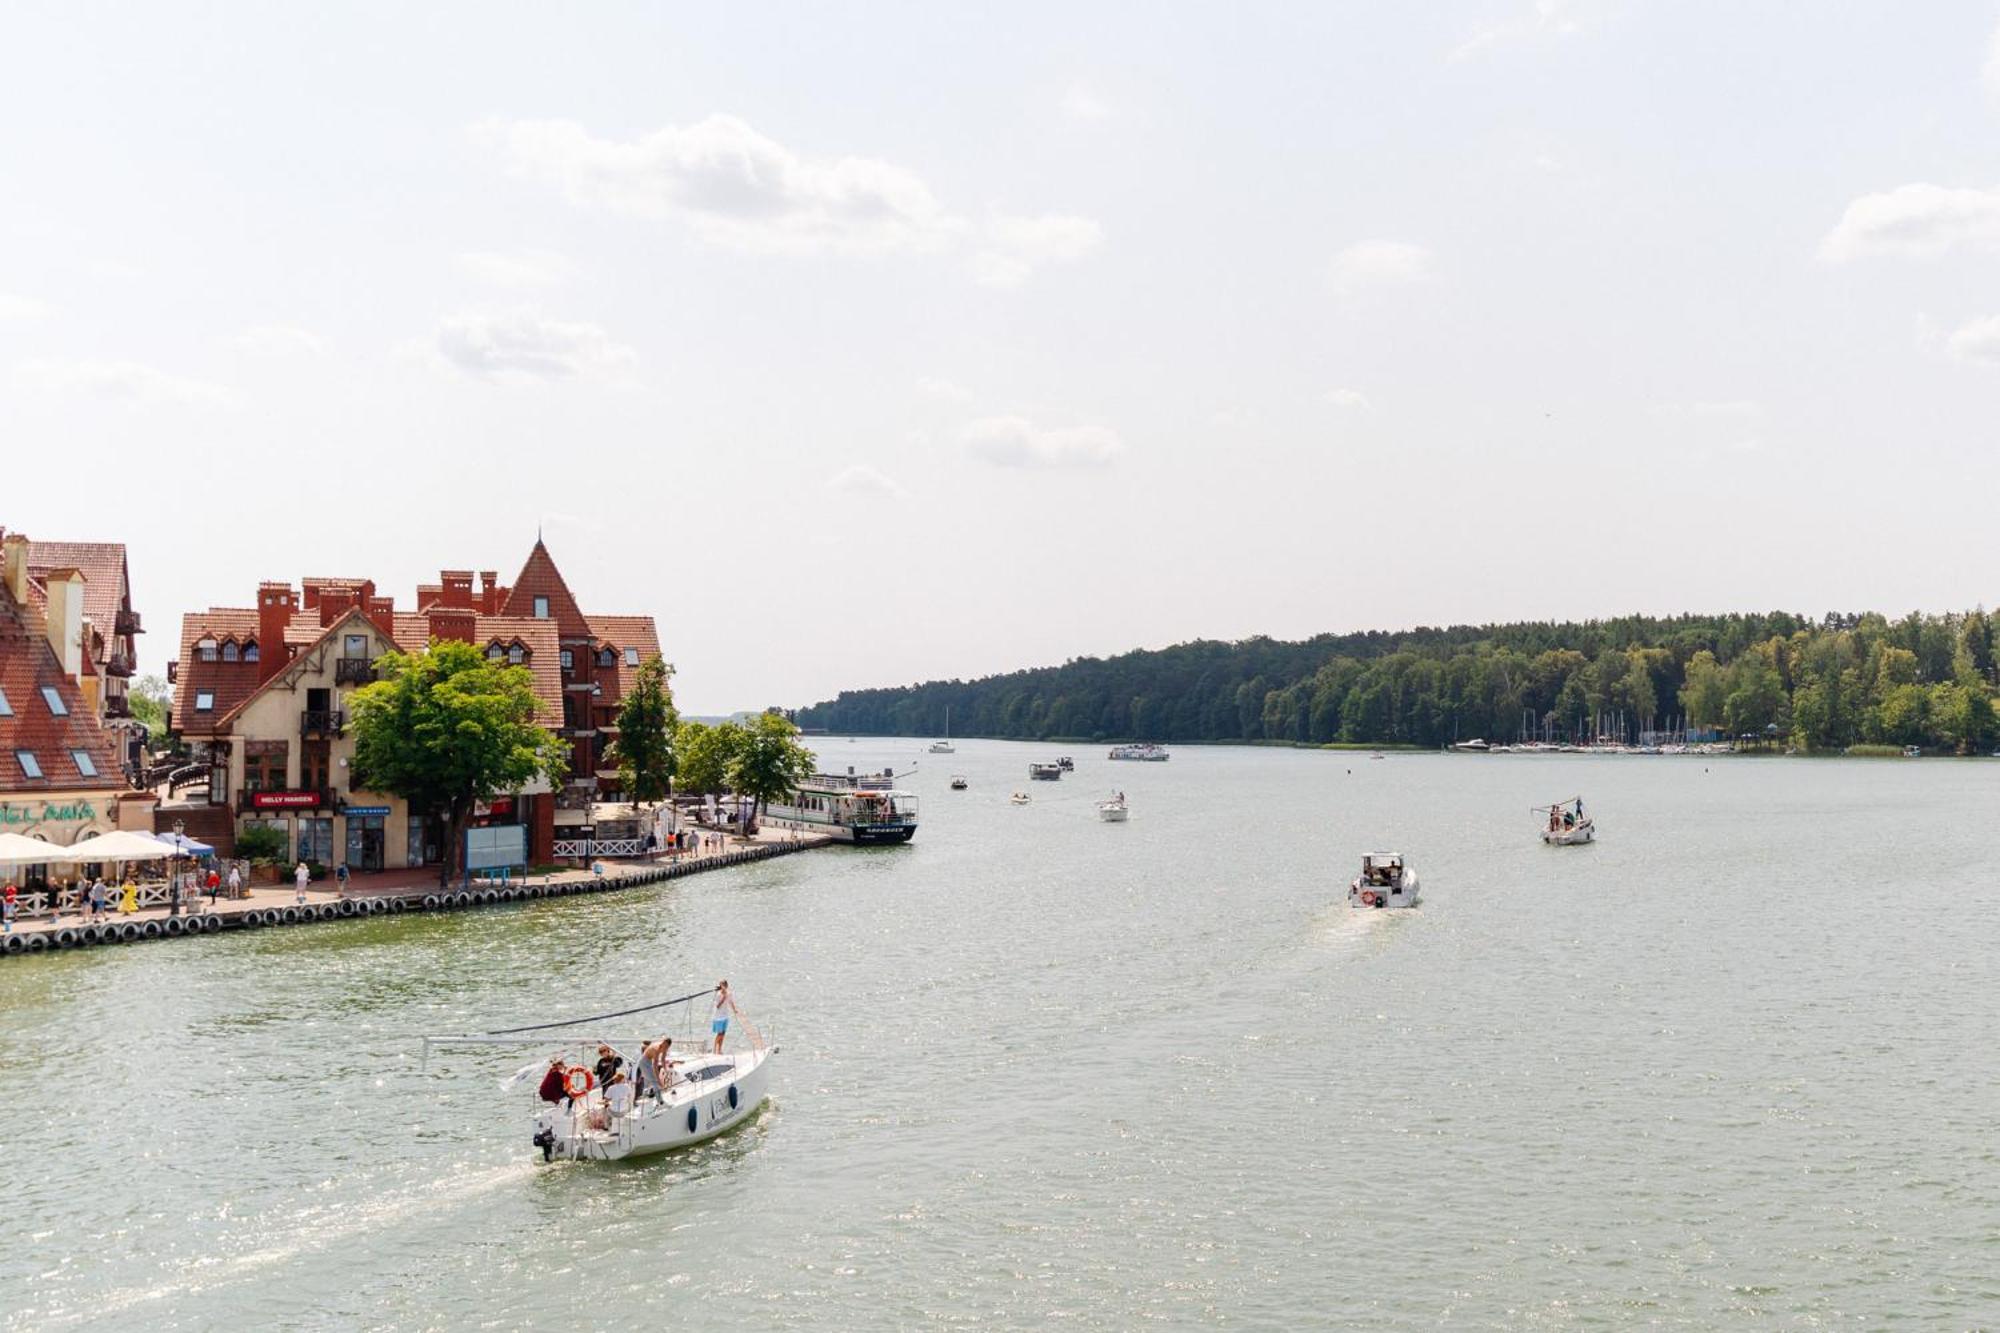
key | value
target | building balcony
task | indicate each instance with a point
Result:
(117, 664)
(127, 622)
(353, 670)
(117, 705)
(322, 722)
(173, 672)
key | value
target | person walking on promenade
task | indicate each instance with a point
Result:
(235, 882)
(300, 878)
(214, 885)
(340, 877)
(99, 895)
(128, 897)
(7, 910)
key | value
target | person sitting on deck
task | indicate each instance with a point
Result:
(552, 1089)
(618, 1097)
(608, 1065)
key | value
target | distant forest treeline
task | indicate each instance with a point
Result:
(1820, 684)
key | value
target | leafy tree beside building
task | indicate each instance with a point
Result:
(647, 725)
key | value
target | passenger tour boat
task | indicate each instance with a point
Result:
(1144, 752)
(1384, 881)
(864, 808)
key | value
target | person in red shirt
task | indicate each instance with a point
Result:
(552, 1090)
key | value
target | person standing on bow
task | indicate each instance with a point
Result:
(724, 1007)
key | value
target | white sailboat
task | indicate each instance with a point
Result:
(944, 746)
(1568, 825)
(698, 1095)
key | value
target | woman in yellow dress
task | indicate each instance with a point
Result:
(128, 899)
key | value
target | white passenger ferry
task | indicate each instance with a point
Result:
(850, 807)
(1146, 753)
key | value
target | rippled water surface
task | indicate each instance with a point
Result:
(1734, 1065)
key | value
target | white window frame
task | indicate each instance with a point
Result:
(208, 650)
(84, 763)
(53, 698)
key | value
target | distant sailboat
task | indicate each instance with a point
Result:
(944, 746)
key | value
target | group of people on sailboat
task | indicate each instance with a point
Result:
(1564, 818)
(622, 1084)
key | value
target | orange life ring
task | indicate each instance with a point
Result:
(570, 1081)
(1368, 897)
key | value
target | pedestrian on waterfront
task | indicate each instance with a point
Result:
(652, 843)
(301, 877)
(7, 910)
(128, 897)
(235, 882)
(724, 1007)
(340, 876)
(99, 895)
(214, 885)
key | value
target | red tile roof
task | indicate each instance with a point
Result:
(619, 633)
(231, 682)
(27, 664)
(540, 578)
(105, 585)
(538, 640)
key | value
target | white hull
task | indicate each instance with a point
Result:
(1383, 896)
(942, 747)
(1571, 837)
(693, 1111)
(1112, 814)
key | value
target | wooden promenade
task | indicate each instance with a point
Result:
(277, 905)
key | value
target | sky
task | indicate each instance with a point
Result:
(869, 344)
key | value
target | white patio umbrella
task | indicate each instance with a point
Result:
(120, 845)
(16, 850)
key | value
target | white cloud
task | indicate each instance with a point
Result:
(516, 268)
(522, 344)
(1976, 340)
(1018, 442)
(120, 382)
(1378, 263)
(932, 386)
(736, 187)
(1560, 18)
(1016, 247)
(1916, 220)
(280, 340)
(1082, 103)
(1349, 400)
(14, 306)
(866, 481)
(733, 185)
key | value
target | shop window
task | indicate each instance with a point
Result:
(53, 699)
(30, 765)
(84, 764)
(316, 841)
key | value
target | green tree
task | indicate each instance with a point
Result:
(772, 760)
(150, 699)
(1706, 691)
(647, 721)
(703, 755)
(447, 728)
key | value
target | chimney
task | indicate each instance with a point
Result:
(382, 609)
(335, 601)
(65, 619)
(457, 588)
(489, 592)
(453, 623)
(14, 563)
(276, 603)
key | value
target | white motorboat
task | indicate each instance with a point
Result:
(1384, 881)
(1019, 798)
(699, 1094)
(1045, 772)
(1565, 824)
(1477, 745)
(1114, 810)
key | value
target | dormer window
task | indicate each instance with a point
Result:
(493, 652)
(230, 652)
(206, 650)
(516, 654)
(607, 658)
(541, 608)
(250, 650)
(54, 700)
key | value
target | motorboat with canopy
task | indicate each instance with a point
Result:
(1564, 824)
(658, 1098)
(1385, 881)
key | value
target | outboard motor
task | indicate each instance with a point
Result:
(545, 1139)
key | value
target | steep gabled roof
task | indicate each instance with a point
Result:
(27, 664)
(540, 578)
(230, 682)
(102, 565)
(620, 633)
(341, 624)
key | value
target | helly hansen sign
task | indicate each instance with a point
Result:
(284, 800)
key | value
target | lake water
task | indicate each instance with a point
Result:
(1732, 1066)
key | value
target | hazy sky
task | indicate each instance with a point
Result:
(873, 343)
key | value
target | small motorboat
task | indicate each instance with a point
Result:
(1045, 772)
(1113, 810)
(1565, 824)
(1066, 764)
(958, 782)
(1019, 798)
(699, 1094)
(1384, 881)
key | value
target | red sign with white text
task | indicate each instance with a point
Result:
(284, 800)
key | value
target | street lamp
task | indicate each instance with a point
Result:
(174, 893)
